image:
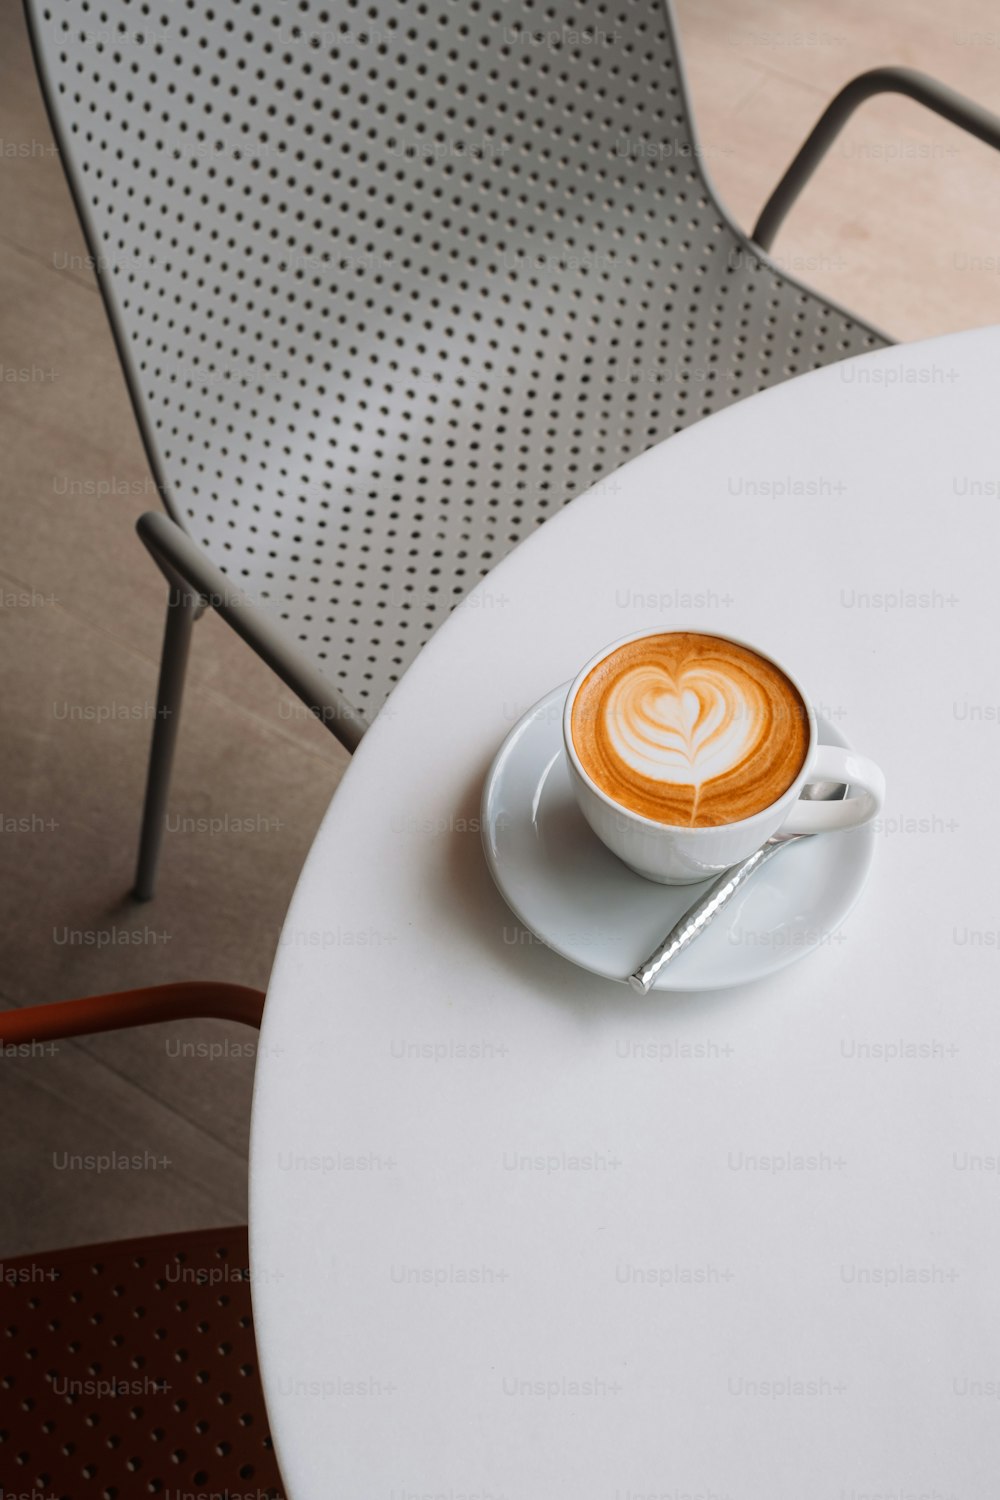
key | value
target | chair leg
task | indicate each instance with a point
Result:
(183, 608)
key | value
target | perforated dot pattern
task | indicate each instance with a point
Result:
(396, 280)
(130, 1369)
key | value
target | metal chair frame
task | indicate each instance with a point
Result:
(920, 87)
(196, 583)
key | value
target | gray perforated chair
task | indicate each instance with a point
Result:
(389, 287)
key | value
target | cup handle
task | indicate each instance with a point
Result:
(867, 788)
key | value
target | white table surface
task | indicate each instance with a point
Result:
(517, 1232)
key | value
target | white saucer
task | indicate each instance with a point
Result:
(578, 897)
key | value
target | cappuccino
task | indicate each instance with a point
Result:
(689, 730)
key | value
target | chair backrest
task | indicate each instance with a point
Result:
(391, 283)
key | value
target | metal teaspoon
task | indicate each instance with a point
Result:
(719, 894)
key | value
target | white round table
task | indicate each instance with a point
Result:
(517, 1232)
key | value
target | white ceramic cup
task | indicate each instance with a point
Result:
(676, 855)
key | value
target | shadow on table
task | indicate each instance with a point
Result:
(477, 907)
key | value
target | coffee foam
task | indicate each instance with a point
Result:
(689, 729)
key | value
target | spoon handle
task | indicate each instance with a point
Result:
(699, 916)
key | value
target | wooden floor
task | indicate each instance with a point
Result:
(901, 224)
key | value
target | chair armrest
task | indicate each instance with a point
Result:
(972, 117)
(164, 1002)
(186, 568)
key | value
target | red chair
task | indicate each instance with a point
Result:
(130, 1368)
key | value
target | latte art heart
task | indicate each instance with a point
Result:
(689, 729)
(684, 731)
